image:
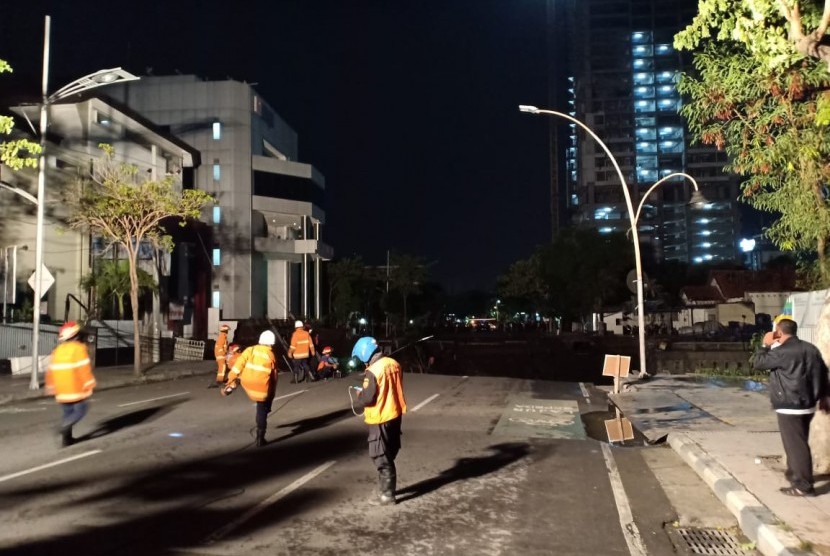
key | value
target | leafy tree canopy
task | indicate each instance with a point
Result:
(15, 153)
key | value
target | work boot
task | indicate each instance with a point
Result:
(260, 438)
(66, 436)
(386, 483)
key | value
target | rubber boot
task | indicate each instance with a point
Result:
(260, 438)
(66, 436)
(386, 486)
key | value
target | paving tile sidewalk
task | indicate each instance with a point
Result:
(728, 433)
(16, 387)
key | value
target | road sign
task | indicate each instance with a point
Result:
(46, 279)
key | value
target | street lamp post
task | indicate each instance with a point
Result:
(632, 215)
(14, 249)
(97, 79)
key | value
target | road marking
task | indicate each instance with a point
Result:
(426, 401)
(629, 528)
(223, 531)
(48, 465)
(21, 409)
(155, 399)
(585, 393)
(289, 395)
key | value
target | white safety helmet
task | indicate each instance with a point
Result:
(298, 324)
(267, 338)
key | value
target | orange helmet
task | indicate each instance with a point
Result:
(224, 328)
(326, 350)
(233, 348)
(68, 331)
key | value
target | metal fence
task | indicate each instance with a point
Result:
(16, 340)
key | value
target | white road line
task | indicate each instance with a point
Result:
(629, 528)
(48, 465)
(223, 531)
(585, 393)
(426, 401)
(289, 395)
(155, 399)
(21, 409)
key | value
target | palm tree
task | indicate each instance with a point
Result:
(111, 279)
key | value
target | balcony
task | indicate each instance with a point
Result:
(292, 249)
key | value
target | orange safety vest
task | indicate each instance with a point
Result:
(221, 347)
(301, 345)
(390, 403)
(69, 376)
(256, 369)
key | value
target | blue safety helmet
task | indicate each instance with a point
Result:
(364, 348)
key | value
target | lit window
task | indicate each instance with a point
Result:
(217, 172)
(217, 215)
(217, 131)
(102, 119)
(216, 299)
(698, 259)
(638, 63)
(217, 256)
(606, 230)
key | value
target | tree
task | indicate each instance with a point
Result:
(344, 279)
(15, 153)
(522, 287)
(762, 93)
(111, 279)
(127, 210)
(407, 274)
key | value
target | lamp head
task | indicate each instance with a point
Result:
(529, 109)
(697, 198)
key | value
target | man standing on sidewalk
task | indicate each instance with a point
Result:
(798, 381)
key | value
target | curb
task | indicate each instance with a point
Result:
(757, 522)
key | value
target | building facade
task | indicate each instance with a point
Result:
(267, 223)
(623, 86)
(76, 129)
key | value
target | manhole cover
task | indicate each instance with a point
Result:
(712, 542)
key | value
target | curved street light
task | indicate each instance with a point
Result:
(632, 215)
(91, 81)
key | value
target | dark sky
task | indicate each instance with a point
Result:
(409, 108)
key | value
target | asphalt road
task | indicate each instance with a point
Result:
(488, 466)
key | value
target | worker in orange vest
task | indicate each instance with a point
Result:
(256, 370)
(233, 353)
(220, 352)
(384, 405)
(301, 351)
(69, 377)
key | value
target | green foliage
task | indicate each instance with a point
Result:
(126, 209)
(16, 153)
(345, 279)
(407, 274)
(111, 280)
(579, 272)
(754, 96)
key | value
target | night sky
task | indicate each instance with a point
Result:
(409, 108)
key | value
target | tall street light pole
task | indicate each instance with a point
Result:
(632, 216)
(97, 79)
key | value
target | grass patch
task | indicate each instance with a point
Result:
(746, 373)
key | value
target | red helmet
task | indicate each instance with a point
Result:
(326, 350)
(233, 348)
(68, 331)
(224, 328)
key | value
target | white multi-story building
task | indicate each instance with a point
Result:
(76, 129)
(267, 222)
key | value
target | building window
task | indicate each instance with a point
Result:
(216, 299)
(217, 131)
(217, 171)
(217, 215)
(102, 119)
(217, 256)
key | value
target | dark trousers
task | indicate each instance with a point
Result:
(302, 367)
(795, 432)
(262, 411)
(384, 445)
(73, 412)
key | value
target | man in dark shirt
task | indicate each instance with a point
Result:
(798, 381)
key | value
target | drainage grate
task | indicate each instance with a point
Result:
(711, 542)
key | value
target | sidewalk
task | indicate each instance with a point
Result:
(728, 434)
(16, 387)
